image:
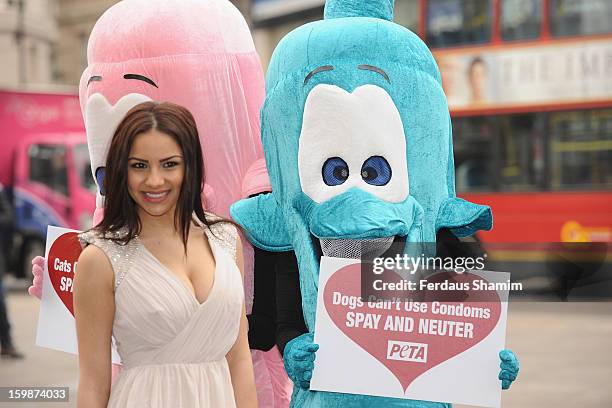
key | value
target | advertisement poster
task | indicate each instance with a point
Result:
(493, 78)
(444, 351)
(56, 325)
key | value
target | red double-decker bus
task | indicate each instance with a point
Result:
(529, 87)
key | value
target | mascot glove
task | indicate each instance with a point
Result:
(38, 264)
(509, 368)
(299, 358)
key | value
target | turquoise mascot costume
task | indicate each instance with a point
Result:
(358, 144)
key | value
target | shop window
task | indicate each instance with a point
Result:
(580, 17)
(520, 19)
(458, 22)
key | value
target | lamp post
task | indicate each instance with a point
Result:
(19, 39)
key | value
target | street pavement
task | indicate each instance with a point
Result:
(563, 349)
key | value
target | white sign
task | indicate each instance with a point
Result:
(56, 325)
(426, 350)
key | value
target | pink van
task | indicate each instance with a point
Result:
(44, 167)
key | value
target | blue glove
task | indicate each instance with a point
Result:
(509, 368)
(299, 359)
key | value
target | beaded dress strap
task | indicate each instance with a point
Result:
(121, 257)
(223, 233)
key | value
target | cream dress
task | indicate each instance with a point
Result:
(172, 347)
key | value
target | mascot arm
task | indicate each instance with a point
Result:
(299, 358)
(38, 265)
(509, 368)
(259, 217)
(463, 218)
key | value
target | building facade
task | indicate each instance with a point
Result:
(75, 19)
(28, 32)
(271, 20)
(44, 42)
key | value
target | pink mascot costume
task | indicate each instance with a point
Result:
(199, 54)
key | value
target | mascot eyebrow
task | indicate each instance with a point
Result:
(93, 79)
(364, 67)
(374, 69)
(316, 71)
(140, 78)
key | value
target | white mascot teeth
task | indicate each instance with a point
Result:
(101, 121)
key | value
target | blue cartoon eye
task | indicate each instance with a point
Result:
(335, 171)
(100, 179)
(376, 171)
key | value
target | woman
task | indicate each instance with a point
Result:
(161, 277)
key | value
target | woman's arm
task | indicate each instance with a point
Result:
(94, 311)
(239, 357)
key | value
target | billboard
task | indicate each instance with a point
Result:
(568, 72)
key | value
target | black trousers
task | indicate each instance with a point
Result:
(5, 327)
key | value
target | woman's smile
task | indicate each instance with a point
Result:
(156, 197)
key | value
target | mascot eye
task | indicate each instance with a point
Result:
(335, 171)
(100, 179)
(376, 171)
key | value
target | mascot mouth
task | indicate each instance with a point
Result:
(358, 225)
(365, 248)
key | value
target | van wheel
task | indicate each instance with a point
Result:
(32, 249)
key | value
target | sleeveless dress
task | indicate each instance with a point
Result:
(172, 347)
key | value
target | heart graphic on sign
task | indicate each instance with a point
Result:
(61, 264)
(427, 327)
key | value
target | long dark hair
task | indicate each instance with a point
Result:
(121, 222)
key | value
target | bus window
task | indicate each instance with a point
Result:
(580, 17)
(48, 166)
(407, 14)
(521, 19)
(458, 22)
(473, 147)
(581, 150)
(521, 152)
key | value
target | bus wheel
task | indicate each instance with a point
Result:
(32, 248)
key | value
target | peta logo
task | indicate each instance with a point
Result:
(404, 351)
